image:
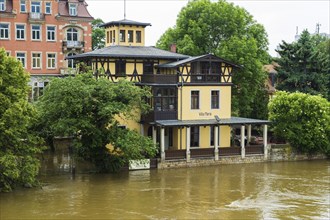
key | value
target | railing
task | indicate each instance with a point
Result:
(159, 78)
(160, 115)
(68, 71)
(229, 151)
(35, 16)
(254, 149)
(73, 44)
(202, 152)
(175, 154)
(195, 78)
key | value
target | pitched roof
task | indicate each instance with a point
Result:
(125, 22)
(63, 8)
(191, 59)
(130, 52)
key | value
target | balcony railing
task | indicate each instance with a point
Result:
(205, 78)
(36, 17)
(159, 78)
(160, 115)
(73, 44)
(68, 71)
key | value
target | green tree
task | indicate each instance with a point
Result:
(87, 109)
(303, 120)
(229, 32)
(98, 34)
(304, 65)
(19, 147)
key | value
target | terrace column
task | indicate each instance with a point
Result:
(265, 142)
(243, 141)
(216, 146)
(154, 134)
(162, 144)
(249, 128)
(188, 144)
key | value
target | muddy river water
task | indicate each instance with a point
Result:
(282, 190)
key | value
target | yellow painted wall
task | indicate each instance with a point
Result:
(132, 124)
(126, 28)
(205, 111)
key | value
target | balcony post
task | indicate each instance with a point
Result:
(265, 142)
(249, 129)
(154, 134)
(162, 143)
(188, 144)
(243, 141)
(216, 146)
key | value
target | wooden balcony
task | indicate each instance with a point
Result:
(198, 78)
(159, 78)
(35, 17)
(160, 115)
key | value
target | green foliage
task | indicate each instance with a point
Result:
(303, 120)
(304, 65)
(98, 34)
(87, 109)
(18, 145)
(229, 32)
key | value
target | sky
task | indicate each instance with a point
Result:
(281, 18)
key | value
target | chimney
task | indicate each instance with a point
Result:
(173, 48)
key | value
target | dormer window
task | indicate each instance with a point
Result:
(73, 9)
(2, 5)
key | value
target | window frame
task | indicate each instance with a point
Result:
(71, 62)
(72, 32)
(218, 99)
(38, 32)
(20, 58)
(193, 96)
(138, 36)
(35, 7)
(3, 5)
(122, 36)
(130, 36)
(22, 3)
(52, 60)
(5, 31)
(120, 68)
(48, 5)
(51, 31)
(20, 31)
(36, 59)
(73, 9)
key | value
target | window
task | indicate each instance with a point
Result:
(122, 36)
(73, 9)
(20, 31)
(130, 36)
(165, 99)
(108, 37)
(48, 8)
(4, 31)
(51, 60)
(148, 68)
(71, 62)
(194, 99)
(36, 32)
(120, 68)
(51, 33)
(37, 90)
(215, 99)
(36, 60)
(194, 136)
(2, 5)
(72, 34)
(21, 57)
(35, 7)
(114, 36)
(138, 36)
(23, 6)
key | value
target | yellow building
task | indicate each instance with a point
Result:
(191, 103)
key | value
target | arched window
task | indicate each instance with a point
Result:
(71, 62)
(72, 34)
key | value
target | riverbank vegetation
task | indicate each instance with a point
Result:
(19, 145)
(89, 110)
(303, 120)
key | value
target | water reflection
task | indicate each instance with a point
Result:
(295, 190)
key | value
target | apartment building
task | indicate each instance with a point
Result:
(41, 33)
(191, 96)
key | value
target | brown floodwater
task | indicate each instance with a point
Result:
(282, 190)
